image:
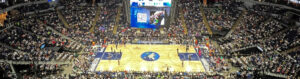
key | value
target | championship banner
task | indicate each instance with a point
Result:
(2, 18)
(205, 2)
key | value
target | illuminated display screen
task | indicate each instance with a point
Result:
(153, 3)
(295, 1)
(149, 13)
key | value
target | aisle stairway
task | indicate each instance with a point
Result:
(95, 19)
(183, 22)
(115, 29)
(235, 25)
(205, 21)
(62, 18)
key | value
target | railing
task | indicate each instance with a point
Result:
(275, 75)
(36, 62)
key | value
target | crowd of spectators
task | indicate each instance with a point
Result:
(193, 18)
(257, 28)
(242, 36)
(40, 71)
(269, 62)
(37, 42)
(221, 18)
(216, 61)
(135, 75)
(34, 36)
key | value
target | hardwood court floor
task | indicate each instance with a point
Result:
(131, 59)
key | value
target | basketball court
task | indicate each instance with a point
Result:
(145, 57)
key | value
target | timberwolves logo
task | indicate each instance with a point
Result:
(150, 56)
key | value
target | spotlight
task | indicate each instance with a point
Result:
(155, 69)
(128, 68)
(188, 69)
(143, 68)
(171, 69)
(110, 68)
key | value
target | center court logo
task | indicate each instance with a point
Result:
(150, 56)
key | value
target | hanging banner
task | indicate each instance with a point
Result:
(205, 2)
(2, 18)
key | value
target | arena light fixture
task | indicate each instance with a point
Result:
(155, 69)
(171, 69)
(101, 68)
(188, 69)
(128, 68)
(110, 68)
(143, 69)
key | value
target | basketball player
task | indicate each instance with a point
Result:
(125, 41)
(166, 66)
(116, 46)
(109, 56)
(119, 62)
(177, 50)
(111, 49)
(186, 48)
(190, 57)
(182, 64)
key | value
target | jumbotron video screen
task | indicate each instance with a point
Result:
(149, 13)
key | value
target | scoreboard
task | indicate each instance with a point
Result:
(153, 3)
(149, 13)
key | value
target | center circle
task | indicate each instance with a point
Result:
(150, 56)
